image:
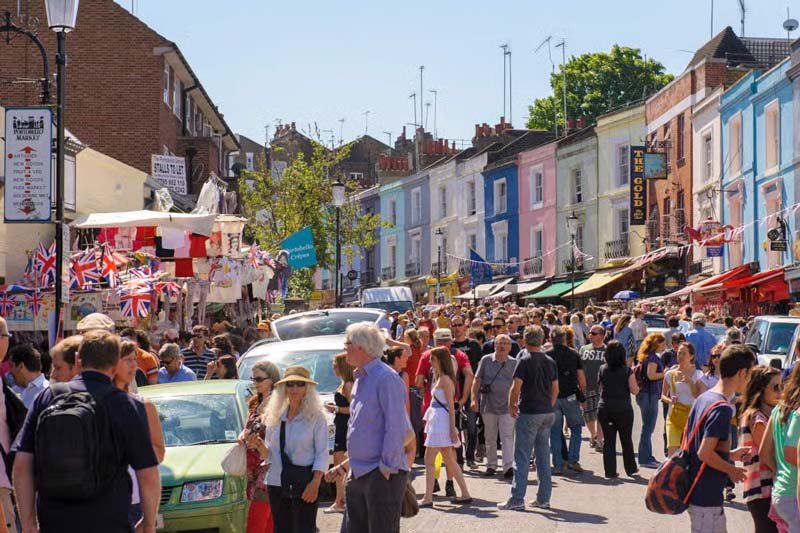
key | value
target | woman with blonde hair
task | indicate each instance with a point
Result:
(624, 334)
(650, 372)
(341, 416)
(681, 386)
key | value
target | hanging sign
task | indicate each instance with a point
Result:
(300, 246)
(655, 166)
(28, 164)
(170, 171)
(638, 187)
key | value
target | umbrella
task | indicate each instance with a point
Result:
(627, 295)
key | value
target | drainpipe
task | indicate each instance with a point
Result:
(756, 245)
(184, 94)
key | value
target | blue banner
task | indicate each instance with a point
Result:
(479, 270)
(300, 246)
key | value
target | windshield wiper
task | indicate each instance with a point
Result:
(211, 441)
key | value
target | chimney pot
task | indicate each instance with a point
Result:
(293, 127)
(477, 131)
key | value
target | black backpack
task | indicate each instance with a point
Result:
(75, 454)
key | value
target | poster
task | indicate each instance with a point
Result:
(170, 171)
(29, 311)
(638, 186)
(82, 304)
(28, 164)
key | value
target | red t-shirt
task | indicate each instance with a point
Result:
(427, 323)
(413, 363)
(424, 369)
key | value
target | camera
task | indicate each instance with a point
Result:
(485, 389)
(256, 428)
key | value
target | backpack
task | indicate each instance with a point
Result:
(75, 455)
(640, 373)
(669, 489)
(15, 417)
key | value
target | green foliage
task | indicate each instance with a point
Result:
(598, 82)
(277, 206)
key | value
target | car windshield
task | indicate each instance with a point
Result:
(655, 321)
(322, 323)
(201, 419)
(780, 335)
(318, 362)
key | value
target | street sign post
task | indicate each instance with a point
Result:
(28, 164)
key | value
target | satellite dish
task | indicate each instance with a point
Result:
(790, 24)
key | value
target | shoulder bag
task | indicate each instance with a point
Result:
(294, 478)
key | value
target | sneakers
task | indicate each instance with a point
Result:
(650, 464)
(557, 471)
(540, 505)
(508, 474)
(489, 472)
(598, 445)
(449, 489)
(511, 505)
(470, 463)
(436, 487)
(575, 467)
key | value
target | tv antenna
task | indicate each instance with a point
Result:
(435, 98)
(790, 24)
(366, 120)
(548, 41)
(414, 96)
(389, 135)
(742, 11)
(341, 131)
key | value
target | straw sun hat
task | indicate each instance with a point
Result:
(297, 373)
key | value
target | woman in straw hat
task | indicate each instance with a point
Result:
(297, 443)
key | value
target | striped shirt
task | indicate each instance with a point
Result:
(758, 483)
(197, 362)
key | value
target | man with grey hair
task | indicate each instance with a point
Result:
(702, 340)
(571, 390)
(172, 368)
(733, 335)
(530, 401)
(376, 433)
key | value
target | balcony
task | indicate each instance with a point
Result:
(442, 269)
(388, 273)
(413, 269)
(532, 266)
(678, 222)
(578, 265)
(327, 284)
(617, 248)
(653, 234)
(367, 278)
(504, 270)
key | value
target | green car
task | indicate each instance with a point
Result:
(200, 421)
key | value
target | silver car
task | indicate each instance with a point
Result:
(323, 322)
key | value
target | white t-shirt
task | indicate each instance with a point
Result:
(681, 389)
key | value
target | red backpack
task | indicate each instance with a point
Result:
(669, 489)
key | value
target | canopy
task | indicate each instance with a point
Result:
(484, 290)
(200, 224)
(598, 280)
(703, 285)
(555, 290)
(525, 288)
(755, 279)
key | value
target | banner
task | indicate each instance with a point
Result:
(480, 272)
(300, 246)
(638, 187)
(28, 164)
(170, 171)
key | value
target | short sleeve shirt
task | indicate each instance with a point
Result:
(568, 362)
(717, 424)
(499, 376)
(537, 371)
(592, 359)
(108, 513)
(147, 362)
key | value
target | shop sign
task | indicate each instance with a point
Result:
(714, 251)
(671, 282)
(315, 295)
(170, 171)
(28, 164)
(300, 246)
(778, 246)
(655, 166)
(638, 187)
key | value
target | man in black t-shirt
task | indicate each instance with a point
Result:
(474, 352)
(571, 387)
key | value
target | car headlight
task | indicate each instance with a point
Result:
(198, 491)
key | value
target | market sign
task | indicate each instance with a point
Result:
(170, 171)
(28, 164)
(715, 251)
(300, 246)
(638, 187)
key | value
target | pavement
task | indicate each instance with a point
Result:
(580, 502)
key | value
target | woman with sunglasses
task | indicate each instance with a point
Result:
(682, 385)
(297, 447)
(763, 393)
(711, 377)
(259, 517)
(341, 416)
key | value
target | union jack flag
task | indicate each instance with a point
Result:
(142, 272)
(135, 303)
(45, 263)
(108, 267)
(7, 304)
(168, 287)
(84, 271)
(35, 302)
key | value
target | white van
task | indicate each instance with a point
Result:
(389, 299)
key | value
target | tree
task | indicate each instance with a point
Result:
(598, 82)
(278, 205)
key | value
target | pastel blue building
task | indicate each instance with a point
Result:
(367, 261)
(416, 194)
(393, 242)
(757, 164)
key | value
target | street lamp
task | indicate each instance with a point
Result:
(572, 226)
(338, 189)
(439, 236)
(61, 17)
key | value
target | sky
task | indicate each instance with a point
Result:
(314, 62)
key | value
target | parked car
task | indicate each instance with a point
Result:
(200, 421)
(771, 337)
(389, 299)
(657, 323)
(322, 322)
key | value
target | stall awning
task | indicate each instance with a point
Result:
(525, 288)
(598, 280)
(200, 224)
(703, 285)
(554, 290)
(485, 290)
(645, 260)
(756, 279)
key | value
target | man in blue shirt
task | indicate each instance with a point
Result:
(172, 368)
(197, 356)
(702, 340)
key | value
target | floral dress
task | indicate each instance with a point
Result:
(256, 471)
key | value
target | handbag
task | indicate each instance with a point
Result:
(294, 478)
(234, 462)
(410, 507)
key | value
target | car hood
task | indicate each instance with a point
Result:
(190, 463)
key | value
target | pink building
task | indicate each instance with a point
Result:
(537, 211)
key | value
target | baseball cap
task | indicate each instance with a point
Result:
(443, 334)
(95, 321)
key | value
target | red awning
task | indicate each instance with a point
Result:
(756, 279)
(731, 274)
(763, 286)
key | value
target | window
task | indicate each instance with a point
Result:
(735, 145)
(501, 247)
(416, 249)
(189, 106)
(734, 202)
(680, 140)
(167, 86)
(774, 259)
(393, 257)
(176, 96)
(537, 187)
(416, 205)
(537, 242)
(207, 130)
(472, 242)
(442, 201)
(623, 164)
(393, 212)
(708, 158)
(579, 236)
(249, 160)
(577, 185)
(773, 135)
(198, 122)
(358, 176)
(500, 196)
(622, 219)
(472, 198)
(278, 168)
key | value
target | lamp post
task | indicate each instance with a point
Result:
(61, 17)
(572, 226)
(338, 189)
(439, 235)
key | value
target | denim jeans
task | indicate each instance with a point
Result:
(532, 434)
(648, 405)
(472, 434)
(571, 410)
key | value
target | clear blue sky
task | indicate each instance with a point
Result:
(314, 61)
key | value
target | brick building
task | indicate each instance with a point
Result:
(130, 92)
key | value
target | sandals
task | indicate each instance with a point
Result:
(426, 505)
(333, 509)
(461, 501)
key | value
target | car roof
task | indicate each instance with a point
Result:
(334, 311)
(776, 318)
(320, 342)
(193, 388)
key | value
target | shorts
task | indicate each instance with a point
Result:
(590, 406)
(707, 519)
(676, 423)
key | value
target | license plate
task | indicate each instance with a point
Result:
(160, 521)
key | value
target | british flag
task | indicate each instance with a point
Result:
(7, 304)
(35, 302)
(143, 272)
(84, 271)
(135, 303)
(45, 264)
(108, 267)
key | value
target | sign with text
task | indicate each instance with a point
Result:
(300, 246)
(170, 171)
(638, 187)
(28, 153)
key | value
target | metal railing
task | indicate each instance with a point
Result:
(367, 277)
(617, 248)
(532, 266)
(653, 234)
(389, 272)
(504, 270)
(678, 221)
(441, 269)
(413, 268)
(578, 264)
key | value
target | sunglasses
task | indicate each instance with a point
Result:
(716, 355)
(256, 379)
(595, 333)
(456, 325)
(293, 384)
